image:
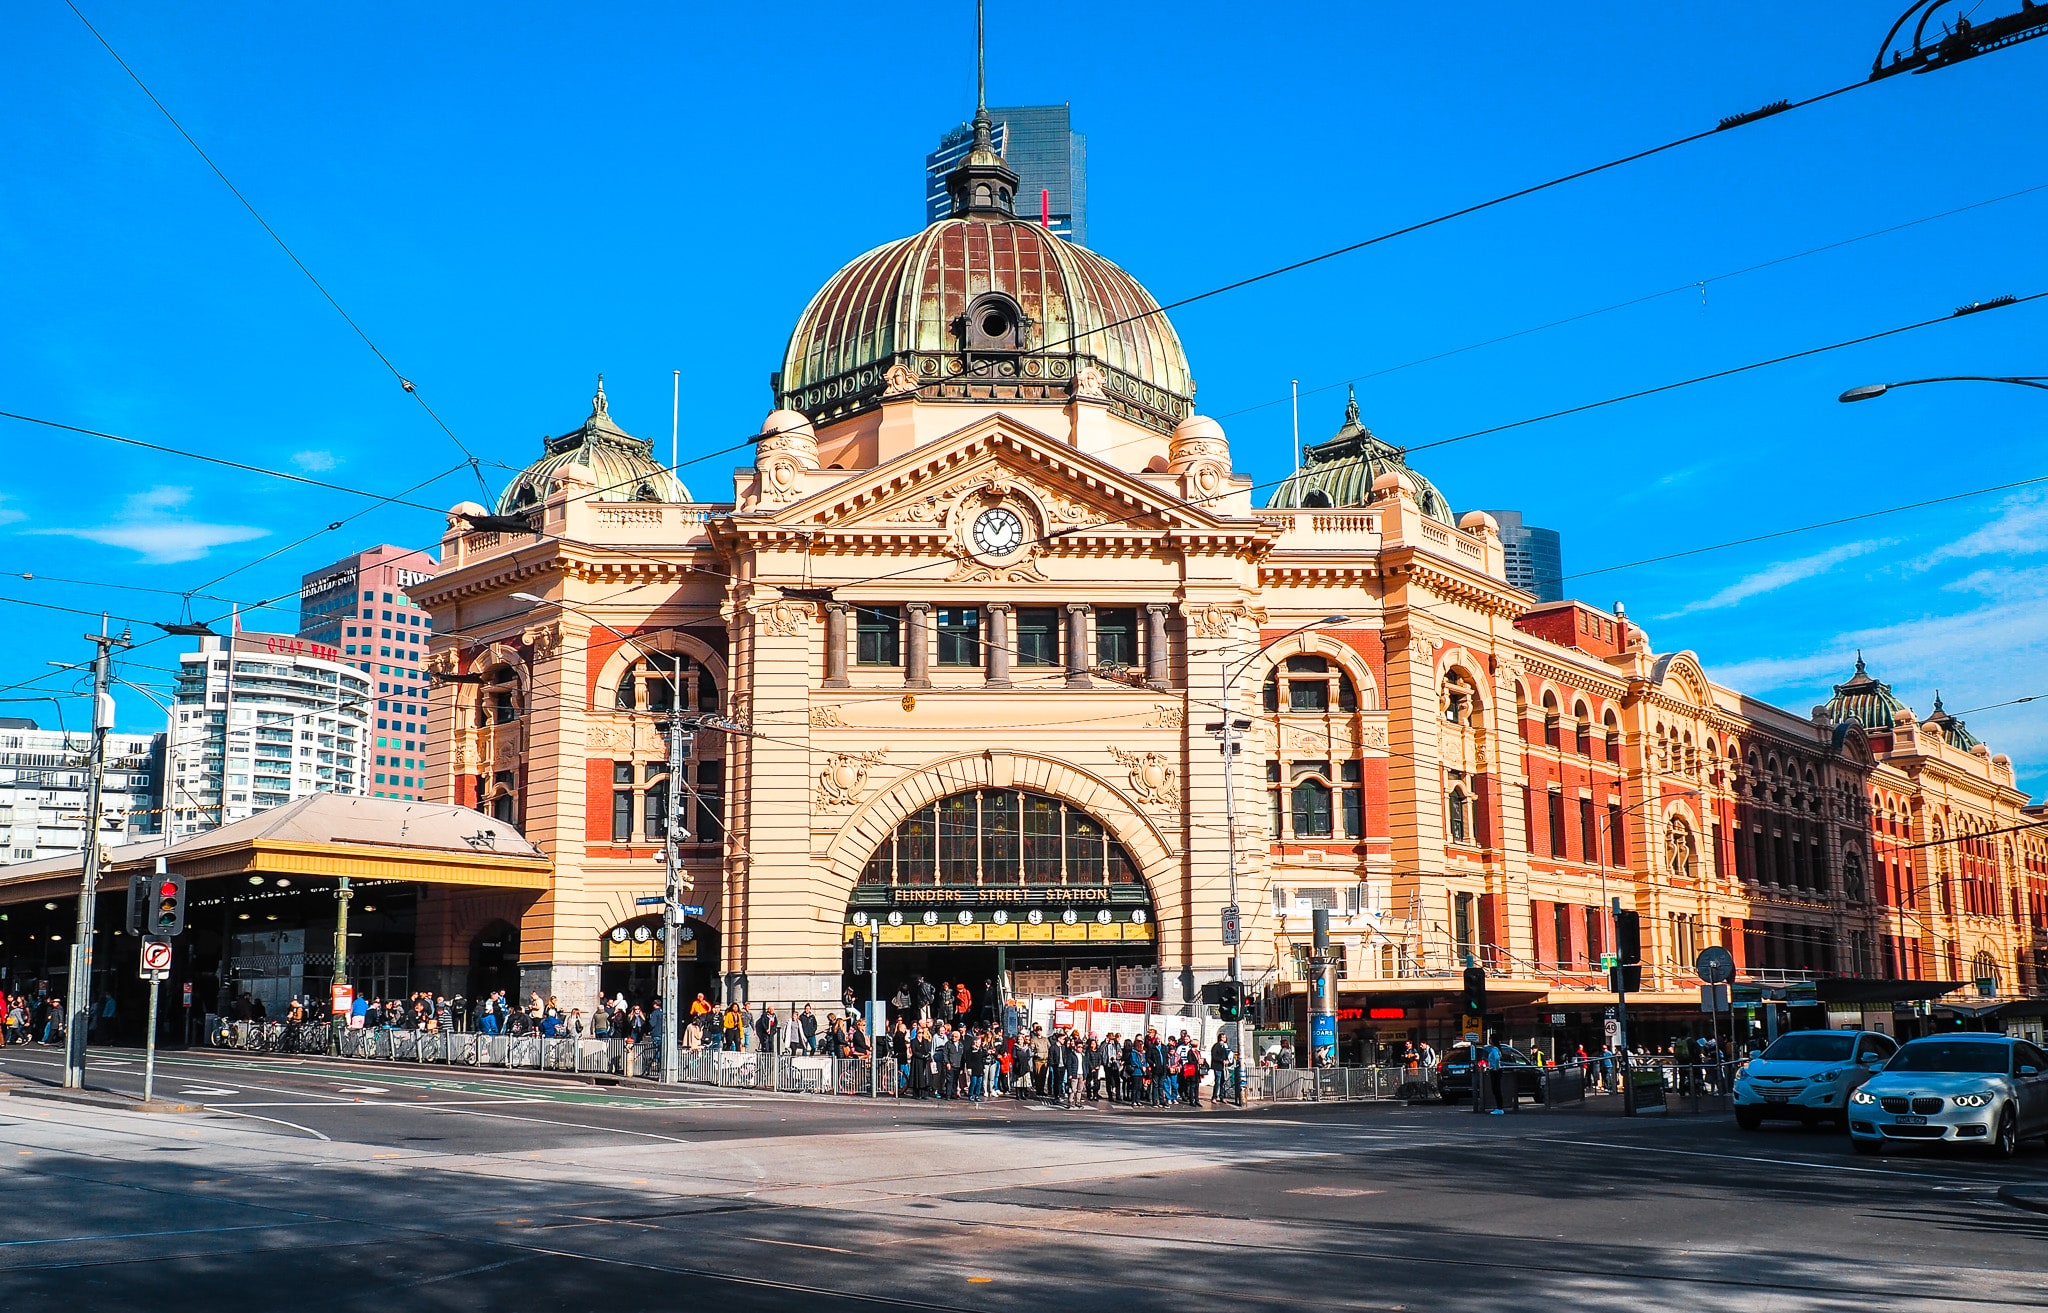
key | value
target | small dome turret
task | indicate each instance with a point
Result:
(1864, 699)
(1345, 470)
(622, 467)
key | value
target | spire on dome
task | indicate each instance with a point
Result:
(598, 405)
(983, 184)
(1351, 419)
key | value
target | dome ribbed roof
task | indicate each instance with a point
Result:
(1059, 309)
(1951, 729)
(1340, 472)
(1864, 699)
(623, 466)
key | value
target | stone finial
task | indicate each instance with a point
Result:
(1200, 454)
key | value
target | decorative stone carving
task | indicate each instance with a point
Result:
(441, 663)
(971, 569)
(785, 619)
(826, 718)
(1152, 776)
(844, 776)
(1091, 382)
(899, 382)
(779, 479)
(1215, 619)
(1411, 633)
(928, 511)
(1372, 734)
(1200, 454)
(1167, 716)
(543, 641)
(1678, 849)
(1303, 741)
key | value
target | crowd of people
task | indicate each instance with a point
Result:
(31, 1017)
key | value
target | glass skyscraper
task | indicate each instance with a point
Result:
(1049, 157)
(1535, 557)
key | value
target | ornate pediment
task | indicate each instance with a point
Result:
(938, 489)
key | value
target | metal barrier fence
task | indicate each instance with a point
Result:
(1339, 1085)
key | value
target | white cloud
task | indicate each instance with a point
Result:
(314, 462)
(158, 538)
(8, 515)
(2020, 529)
(1782, 574)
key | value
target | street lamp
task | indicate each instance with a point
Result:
(1870, 390)
(680, 736)
(1226, 731)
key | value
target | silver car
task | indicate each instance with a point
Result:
(1808, 1075)
(1990, 1090)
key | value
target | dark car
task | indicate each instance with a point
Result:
(1518, 1072)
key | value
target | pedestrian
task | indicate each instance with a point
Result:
(766, 1028)
(1219, 1063)
(807, 1025)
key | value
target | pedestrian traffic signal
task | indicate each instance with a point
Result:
(1474, 1005)
(1628, 937)
(168, 915)
(1230, 1000)
(857, 954)
(138, 905)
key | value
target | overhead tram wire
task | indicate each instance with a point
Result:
(469, 457)
(1698, 284)
(1733, 121)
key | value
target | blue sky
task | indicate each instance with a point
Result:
(512, 198)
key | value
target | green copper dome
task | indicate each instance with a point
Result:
(1866, 700)
(1957, 734)
(1340, 472)
(623, 466)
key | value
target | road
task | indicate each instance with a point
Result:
(319, 1185)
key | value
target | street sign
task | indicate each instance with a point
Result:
(1713, 998)
(1232, 924)
(188, 993)
(156, 958)
(344, 999)
(1609, 961)
(654, 901)
(1613, 1029)
(1715, 965)
(693, 909)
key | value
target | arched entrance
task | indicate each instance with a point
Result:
(494, 961)
(1005, 885)
(631, 954)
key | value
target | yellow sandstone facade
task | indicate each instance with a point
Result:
(975, 605)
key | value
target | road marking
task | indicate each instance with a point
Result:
(361, 1089)
(1749, 1158)
(792, 1244)
(149, 1235)
(210, 1090)
(229, 1112)
(1332, 1191)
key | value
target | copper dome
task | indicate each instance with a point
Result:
(980, 306)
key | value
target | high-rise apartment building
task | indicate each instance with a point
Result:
(45, 783)
(1535, 557)
(361, 605)
(289, 720)
(1049, 157)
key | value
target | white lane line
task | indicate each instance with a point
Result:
(792, 1244)
(550, 1121)
(279, 1121)
(1749, 1158)
(214, 1090)
(361, 1089)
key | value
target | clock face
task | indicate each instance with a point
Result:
(998, 531)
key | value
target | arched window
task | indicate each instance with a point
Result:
(999, 838)
(501, 695)
(1553, 732)
(1459, 814)
(1680, 854)
(1347, 692)
(1584, 719)
(1522, 712)
(1308, 684)
(1311, 807)
(1613, 729)
(650, 684)
(1460, 700)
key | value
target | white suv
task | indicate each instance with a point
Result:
(1807, 1075)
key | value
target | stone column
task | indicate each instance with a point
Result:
(1077, 645)
(998, 645)
(917, 657)
(1156, 666)
(835, 645)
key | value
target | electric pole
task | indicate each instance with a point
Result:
(681, 734)
(79, 986)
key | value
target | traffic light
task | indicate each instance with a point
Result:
(1230, 1001)
(168, 915)
(857, 954)
(138, 904)
(1628, 938)
(1474, 1006)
